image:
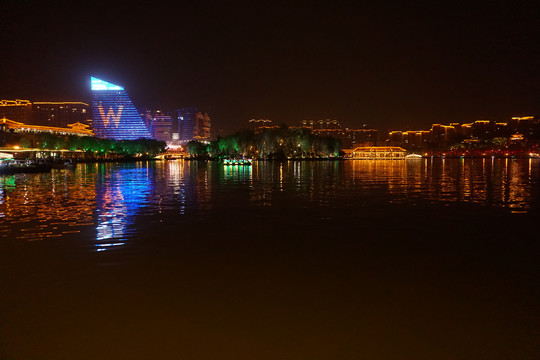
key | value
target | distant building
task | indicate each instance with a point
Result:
(19, 127)
(441, 136)
(162, 127)
(59, 114)
(203, 127)
(16, 110)
(186, 120)
(326, 124)
(115, 116)
(147, 116)
(349, 137)
(524, 124)
(260, 124)
(191, 124)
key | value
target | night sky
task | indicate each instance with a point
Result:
(390, 65)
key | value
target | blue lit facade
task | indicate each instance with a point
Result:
(115, 116)
(187, 123)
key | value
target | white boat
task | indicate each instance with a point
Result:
(413, 157)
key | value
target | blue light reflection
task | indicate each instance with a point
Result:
(122, 193)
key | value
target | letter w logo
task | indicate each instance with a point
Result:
(110, 115)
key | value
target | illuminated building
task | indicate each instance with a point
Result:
(71, 129)
(16, 110)
(321, 124)
(378, 153)
(521, 119)
(350, 138)
(260, 124)
(517, 137)
(395, 138)
(483, 129)
(185, 121)
(525, 125)
(146, 115)
(461, 131)
(359, 137)
(442, 136)
(53, 114)
(59, 114)
(115, 116)
(411, 139)
(438, 134)
(337, 133)
(192, 124)
(203, 126)
(162, 127)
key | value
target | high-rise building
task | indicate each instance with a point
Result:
(59, 114)
(185, 120)
(192, 124)
(16, 110)
(202, 126)
(146, 115)
(358, 137)
(162, 127)
(115, 116)
(350, 138)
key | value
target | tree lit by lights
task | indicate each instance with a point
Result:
(282, 142)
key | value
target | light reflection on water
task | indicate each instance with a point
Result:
(121, 193)
(105, 200)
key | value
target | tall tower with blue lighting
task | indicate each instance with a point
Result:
(115, 116)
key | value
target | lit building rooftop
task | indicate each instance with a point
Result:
(78, 128)
(98, 84)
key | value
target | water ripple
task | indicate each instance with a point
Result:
(107, 201)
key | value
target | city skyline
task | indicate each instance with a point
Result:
(265, 180)
(388, 65)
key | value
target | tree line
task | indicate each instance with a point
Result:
(89, 144)
(277, 143)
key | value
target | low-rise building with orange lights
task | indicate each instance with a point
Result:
(377, 153)
(16, 110)
(441, 136)
(78, 129)
(258, 125)
(60, 113)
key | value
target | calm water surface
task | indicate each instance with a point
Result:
(299, 260)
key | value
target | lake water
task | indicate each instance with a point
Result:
(421, 259)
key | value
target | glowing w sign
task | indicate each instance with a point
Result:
(110, 115)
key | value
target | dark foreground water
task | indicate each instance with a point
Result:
(301, 260)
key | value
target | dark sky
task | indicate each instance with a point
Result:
(387, 64)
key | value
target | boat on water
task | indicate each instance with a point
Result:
(413, 157)
(5, 156)
(23, 166)
(241, 162)
(377, 153)
(174, 157)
